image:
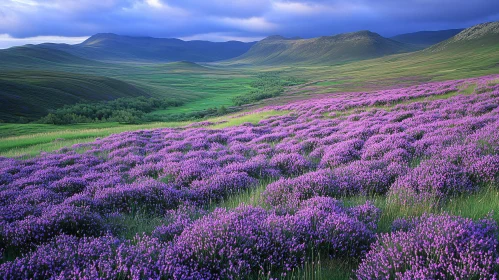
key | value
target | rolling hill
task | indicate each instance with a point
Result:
(485, 35)
(35, 79)
(425, 39)
(277, 50)
(46, 79)
(30, 94)
(33, 56)
(471, 53)
(112, 47)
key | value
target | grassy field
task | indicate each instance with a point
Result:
(30, 139)
(395, 71)
(202, 90)
(69, 80)
(217, 87)
(208, 86)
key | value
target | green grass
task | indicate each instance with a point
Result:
(30, 139)
(133, 225)
(328, 83)
(251, 117)
(56, 137)
(323, 269)
(252, 197)
(43, 85)
(475, 206)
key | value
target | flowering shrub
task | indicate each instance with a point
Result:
(68, 257)
(433, 179)
(253, 241)
(23, 234)
(341, 153)
(333, 147)
(434, 247)
(290, 164)
(220, 185)
(176, 221)
(148, 196)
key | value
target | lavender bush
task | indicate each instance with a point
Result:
(434, 247)
(60, 209)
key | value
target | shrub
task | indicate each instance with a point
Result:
(432, 180)
(434, 247)
(146, 196)
(63, 219)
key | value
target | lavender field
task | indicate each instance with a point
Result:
(267, 200)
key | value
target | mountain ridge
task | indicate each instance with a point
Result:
(114, 47)
(472, 37)
(426, 38)
(339, 48)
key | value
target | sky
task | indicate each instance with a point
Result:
(72, 21)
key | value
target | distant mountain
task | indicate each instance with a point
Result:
(112, 47)
(485, 35)
(426, 38)
(341, 48)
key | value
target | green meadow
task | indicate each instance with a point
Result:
(212, 85)
(26, 140)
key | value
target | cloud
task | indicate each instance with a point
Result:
(7, 41)
(255, 24)
(243, 19)
(224, 8)
(221, 37)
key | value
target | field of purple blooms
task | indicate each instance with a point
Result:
(147, 204)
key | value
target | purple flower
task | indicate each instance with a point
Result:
(434, 247)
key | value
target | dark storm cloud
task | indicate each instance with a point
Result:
(241, 19)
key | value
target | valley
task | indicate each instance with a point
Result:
(351, 156)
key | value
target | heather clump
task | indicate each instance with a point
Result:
(147, 196)
(32, 230)
(252, 241)
(290, 163)
(432, 180)
(106, 257)
(434, 247)
(73, 213)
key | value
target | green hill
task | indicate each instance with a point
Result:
(277, 50)
(35, 79)
(485, 35)
(471, 53)
(112, 47)
(30, 94)
(30, 56)
(425, 39)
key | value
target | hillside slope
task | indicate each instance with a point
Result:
(32, 56)
(112, 47)
(485, 35)
(277, 50)
(30, 94)
(473, 52)
(425, 39)
(35, 79)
